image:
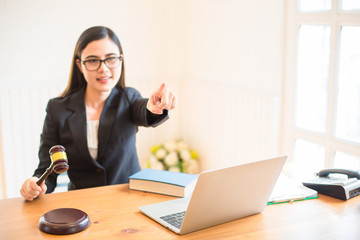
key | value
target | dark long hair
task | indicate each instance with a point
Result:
(76, 79)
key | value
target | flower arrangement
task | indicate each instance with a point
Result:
(174, 156)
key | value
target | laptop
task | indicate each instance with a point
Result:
(220, 196)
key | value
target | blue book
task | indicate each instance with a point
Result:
(163, 182)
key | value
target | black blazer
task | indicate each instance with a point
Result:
(65, 124)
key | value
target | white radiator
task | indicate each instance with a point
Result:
(22, 112)
(228, 124)
(224, 124)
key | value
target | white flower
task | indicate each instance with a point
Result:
(181, 145)
(185, 154)
(152, 160)
(154, 163)
(171, 159)
(192, 166)
(170, 146)
(160, 153)
(174, 169)
(174, 156)
(157, 165)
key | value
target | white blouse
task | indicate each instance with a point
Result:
(92, 137)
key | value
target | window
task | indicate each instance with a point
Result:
(322, 85)
(312, 76)
(347, 122)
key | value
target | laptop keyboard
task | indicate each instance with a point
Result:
(174, 219)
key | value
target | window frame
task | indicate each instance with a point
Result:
(335, 18)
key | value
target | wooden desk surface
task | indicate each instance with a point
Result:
(114, 214)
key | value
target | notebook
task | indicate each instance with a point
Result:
(220, 196)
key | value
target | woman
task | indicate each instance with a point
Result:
(96, 118)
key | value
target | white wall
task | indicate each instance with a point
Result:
(201, 44)
(237, 42)
(234, 48)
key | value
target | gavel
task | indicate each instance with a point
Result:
(62, 220)
(59, 162)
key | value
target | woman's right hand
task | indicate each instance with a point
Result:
(30, 190)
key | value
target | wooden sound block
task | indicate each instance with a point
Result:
(63, 221)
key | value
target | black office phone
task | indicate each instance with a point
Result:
(349, 173)
(337, 186)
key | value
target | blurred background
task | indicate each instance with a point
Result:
(254, 79)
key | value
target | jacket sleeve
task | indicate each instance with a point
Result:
(49, 137)
(156, 119)
(141, 115)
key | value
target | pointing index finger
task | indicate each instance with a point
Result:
(161, 89)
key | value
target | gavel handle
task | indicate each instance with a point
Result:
(45, 175)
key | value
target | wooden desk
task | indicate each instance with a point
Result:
(114, 214)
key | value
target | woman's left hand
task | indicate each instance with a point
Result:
(161, 99)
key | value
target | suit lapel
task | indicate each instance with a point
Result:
(77, 122)
(107, 118)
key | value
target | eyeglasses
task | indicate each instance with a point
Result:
(94, 64)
